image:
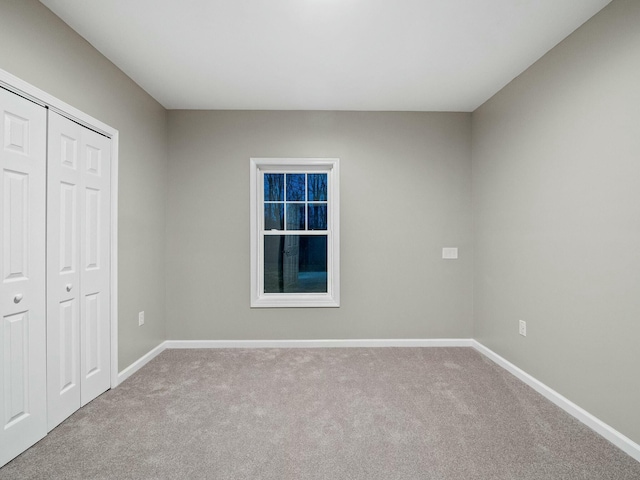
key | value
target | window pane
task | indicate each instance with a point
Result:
(295, 264)
(295, 216)
(317, 185)
(273, 187)
(317, 216)
(274, 216)
(295, 187)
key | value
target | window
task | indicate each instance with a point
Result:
(295, 242)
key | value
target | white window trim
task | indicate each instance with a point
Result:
(260, 299)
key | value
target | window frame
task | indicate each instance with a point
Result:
(260, 166)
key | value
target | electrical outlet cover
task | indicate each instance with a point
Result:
(522, 328)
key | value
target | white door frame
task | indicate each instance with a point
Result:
(24, 89)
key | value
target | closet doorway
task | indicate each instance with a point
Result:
(58, 261)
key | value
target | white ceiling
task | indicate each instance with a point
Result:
(425, 55)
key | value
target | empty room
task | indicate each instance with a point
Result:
(320, 239)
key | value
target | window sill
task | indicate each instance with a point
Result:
(296, 300)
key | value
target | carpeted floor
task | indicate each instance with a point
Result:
(347, 413)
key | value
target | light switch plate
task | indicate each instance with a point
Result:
(450, 253)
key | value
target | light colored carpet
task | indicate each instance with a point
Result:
(351, 413)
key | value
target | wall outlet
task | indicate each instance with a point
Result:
(141, 318)
(522, 328)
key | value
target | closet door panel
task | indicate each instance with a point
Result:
(64, 206)
(22, 270)
(95, 265)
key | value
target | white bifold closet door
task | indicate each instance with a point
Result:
(78, 267)
(23, 406)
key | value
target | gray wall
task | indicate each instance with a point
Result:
(405, 193)
(556, 192)
(39, 48)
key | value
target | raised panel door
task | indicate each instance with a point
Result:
(79, 266)
(22, 270)
(95, 269)
(64, 205)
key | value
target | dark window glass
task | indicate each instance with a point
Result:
(273, 187)
(317, 216)
(295, 187)
(317, 187)
(274, 216)
(295, 264)
(295, 216)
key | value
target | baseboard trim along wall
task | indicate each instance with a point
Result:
(141, 362)
(437, 342)
(618, 439)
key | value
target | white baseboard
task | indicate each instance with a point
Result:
(141, 362)
(618, 439)
(436, 342)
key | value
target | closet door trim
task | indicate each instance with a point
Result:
(20, 87)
